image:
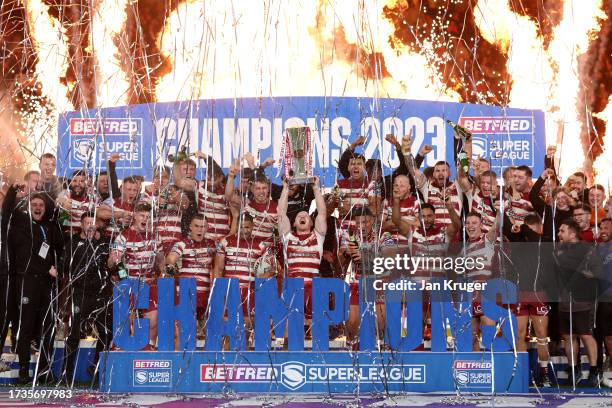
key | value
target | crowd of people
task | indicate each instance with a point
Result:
(66, 241)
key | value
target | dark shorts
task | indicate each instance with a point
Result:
(604, 318)
(581, 322)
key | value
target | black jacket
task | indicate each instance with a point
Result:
(25, 238)
(85, 265)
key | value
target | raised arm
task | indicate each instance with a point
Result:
(463, 180)
(321, 220)
(284, 225)
(534, 194)
(231, 176)
(403, 227)
(455, 225)
(345, 158)
(112, 175)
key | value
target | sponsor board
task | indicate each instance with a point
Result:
(144, 135)
(95, 140)
(308, 372)
(295, 374)
(473, 374)
(156, 373)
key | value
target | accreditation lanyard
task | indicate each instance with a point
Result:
(44, 248)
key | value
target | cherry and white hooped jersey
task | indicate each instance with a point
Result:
(354, 191)
(517, 208)
(114, 228)
(483, 206)
(409, 208)
(303, 254)
(429, 245)
(240, 257)
(138, 251)
(265, 218)
(77, 206)
(434, 195)
(196, 260)
(216, 210)
(168, 226)
(484, 250)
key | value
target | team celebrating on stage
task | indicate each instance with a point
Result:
(66, 242)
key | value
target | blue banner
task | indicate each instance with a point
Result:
(301, 372)
(144, 135)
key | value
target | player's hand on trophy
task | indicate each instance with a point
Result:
(425, 150)
(358, 142)
(316, 182)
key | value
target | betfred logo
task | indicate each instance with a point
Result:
(237, 373)
(107, 126)
(152, 363)
(155, 373)
(497, 124)
(472, 365)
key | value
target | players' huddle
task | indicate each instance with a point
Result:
(66, 242)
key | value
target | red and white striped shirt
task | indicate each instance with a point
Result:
(354, 191)
(240, 257)
(115, 228)
(138, 252)
(430, 245)
(409, 208)
(214, 207)
(76, 207)
(483, 249)
(196, 259)
(483, 206)
(265, 218)
(303, 254)
(435, 196)
(168, 226)
(517, 208)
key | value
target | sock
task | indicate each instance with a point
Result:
(543, 364)
(593, 370)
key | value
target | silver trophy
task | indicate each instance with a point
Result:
(297, 157)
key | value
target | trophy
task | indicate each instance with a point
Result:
(296, 155)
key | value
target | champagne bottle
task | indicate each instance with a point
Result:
(450, 341)
(64, 217)
(460, 131)
(121, 270)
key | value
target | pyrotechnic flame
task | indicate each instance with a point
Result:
(546, 78)
(39, 118)
(603, 163)
(243, 49)
(110, 47)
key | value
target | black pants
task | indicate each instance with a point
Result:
(9, 308)
(88, 308)
(36, 318)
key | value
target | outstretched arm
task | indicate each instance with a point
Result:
(321, 220)
(229, 184)
(453, 227)
(284, 225)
